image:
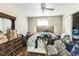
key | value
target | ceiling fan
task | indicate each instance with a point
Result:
(43, 7)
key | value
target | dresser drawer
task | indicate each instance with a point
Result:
(10, 43)
(3, 53)
(3, 47)
(9, 49)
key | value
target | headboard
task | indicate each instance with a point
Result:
(43, 28)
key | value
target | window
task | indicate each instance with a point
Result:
(42, 22)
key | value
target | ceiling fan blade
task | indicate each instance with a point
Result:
(49, 8)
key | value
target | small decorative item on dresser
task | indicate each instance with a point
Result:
(12, 34)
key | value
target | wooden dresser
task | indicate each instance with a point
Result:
(11, 48)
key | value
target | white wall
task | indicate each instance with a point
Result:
(67, 25)
(21, 24)
(55, 21)
(32, 22)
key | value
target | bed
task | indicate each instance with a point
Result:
(41, 46)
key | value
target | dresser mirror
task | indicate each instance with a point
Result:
(7, 26)
(6, 22)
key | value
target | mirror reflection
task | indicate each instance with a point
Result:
(5, 24)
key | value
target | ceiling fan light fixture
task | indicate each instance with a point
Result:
(43, 5)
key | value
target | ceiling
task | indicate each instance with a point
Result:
(34, 9)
